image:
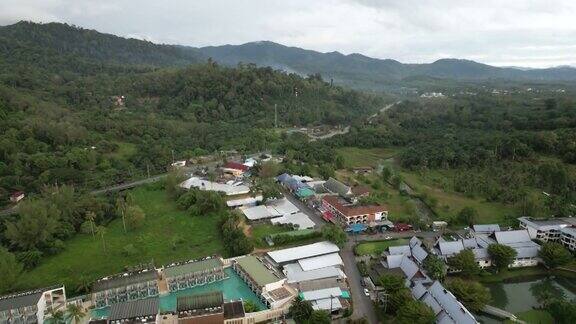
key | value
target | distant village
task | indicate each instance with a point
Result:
(315, 272)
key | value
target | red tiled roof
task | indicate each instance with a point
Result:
(236, 166)
(360, 190)
(349, 211)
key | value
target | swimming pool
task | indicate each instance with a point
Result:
(233, 288)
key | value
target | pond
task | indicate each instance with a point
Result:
(522, 294)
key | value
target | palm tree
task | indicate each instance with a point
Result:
(90, 216)
(55, 317)
(75, 313)
(101, 230)
(121, 209)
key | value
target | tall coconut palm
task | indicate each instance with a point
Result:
(101, 230)
(55, 317)
(121, 209)
(75, 313)
(90, 216)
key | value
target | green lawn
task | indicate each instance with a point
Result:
(534, 316)
(124, 151)
(377, 247)
(358, 157)
(84, 259)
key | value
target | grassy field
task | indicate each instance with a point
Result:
(534, 316)
(436, 184)
(377, 247)
(358, 157)
(260, 231)
(85, 260)
(124, 152)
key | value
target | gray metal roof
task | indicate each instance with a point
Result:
(512, 236)
(481, 254)
(18, 300)
(401, 249)
(543, 224)
(124, 280)
(192, 267)
(414, 241)
(451, 305)
(486, 228)
(419, 254)
(450, 248)
(569, 230)
(338, 187)
(136, 308)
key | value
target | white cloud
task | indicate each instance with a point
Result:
(531, 33)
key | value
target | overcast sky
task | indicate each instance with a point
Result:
(498, 32)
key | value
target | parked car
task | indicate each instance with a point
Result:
(366, 292)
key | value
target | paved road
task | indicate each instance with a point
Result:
(363, 306)
(305, 209)
(129, 185)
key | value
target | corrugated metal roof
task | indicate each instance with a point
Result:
(257, 212)
(338, 187)
(512, 236)
(295, 274)
(302, 252)
(486, 228)
(419, 254)
(414, 241)
(282, 206)
(22, 299)
(136, 308)
(257, 271)
(300, 219)
(125, 280)
(450, 248)
(327, 304)
(400, 249)
(319, 262)
(321, 293)
(192, 267)
(451, 305)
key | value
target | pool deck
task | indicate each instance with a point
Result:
(233, 288)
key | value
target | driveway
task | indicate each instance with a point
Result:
(363, 306)
(318, 221)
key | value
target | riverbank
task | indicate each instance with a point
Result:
(521, 274)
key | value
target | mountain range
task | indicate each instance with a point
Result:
(356, 70)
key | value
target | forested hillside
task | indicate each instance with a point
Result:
(63, 119)
(506, 149)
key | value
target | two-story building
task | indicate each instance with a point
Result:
(348, 213)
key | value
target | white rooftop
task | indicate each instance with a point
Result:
(228, 190)
(294, 273)
(300, 219)
(257, 212)
(319, 262)
(486, 228)
(281, 207)
(302, 252)
(507, 237)
(322, 293)
(327, 304)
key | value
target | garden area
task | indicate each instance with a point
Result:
(377, 247)
(167, 234)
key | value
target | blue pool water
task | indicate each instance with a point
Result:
(233, 288)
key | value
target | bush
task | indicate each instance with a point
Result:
(29, 259)
(129, 250)
(283, 239)
(56, 246)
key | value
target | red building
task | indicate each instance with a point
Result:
(348, 213)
